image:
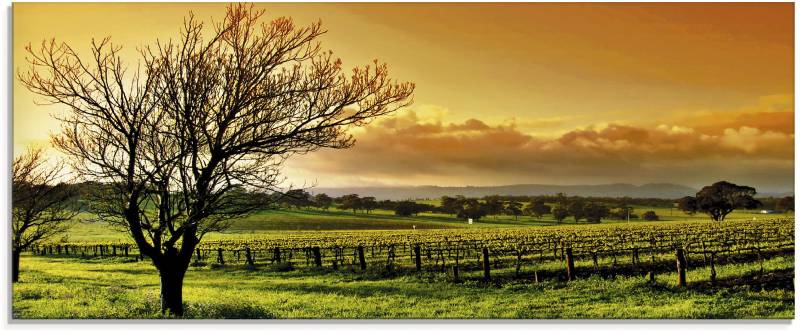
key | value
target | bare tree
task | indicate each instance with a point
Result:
(40, 203)
(210, 118)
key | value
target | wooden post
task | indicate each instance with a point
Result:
(570, 264)
(277, 252)
(680, 258)
(317, 256)
(456, 267)
(652, 266)
(220, 258)
(418, 258)
(362, 262)
(197, 250)
(248, 256)
(486, 273)
(713, 270)
(114, 250)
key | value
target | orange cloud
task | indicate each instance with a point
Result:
(475, 153)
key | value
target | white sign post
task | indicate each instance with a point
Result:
(469, 220)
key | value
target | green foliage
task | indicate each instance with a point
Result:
(77, 288)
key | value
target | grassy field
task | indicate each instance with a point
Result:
(71, 287)
(117, 288)
(84, 229)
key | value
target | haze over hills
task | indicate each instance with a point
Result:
(654, 190)
(661, 190)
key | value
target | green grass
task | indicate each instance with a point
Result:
(85, 228)
(114, 288)
(120, 288)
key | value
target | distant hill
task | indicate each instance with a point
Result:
(661, 190)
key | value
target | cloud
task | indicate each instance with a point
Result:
(408, 149)
(769, 113)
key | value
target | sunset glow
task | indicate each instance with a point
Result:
(515, 93)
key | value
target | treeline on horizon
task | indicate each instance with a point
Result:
(591, 208)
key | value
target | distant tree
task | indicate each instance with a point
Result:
(594, 212)
(721, 198)
(513, 208)
(407, 208)
(493, 205)
(561, 198)
(297, 198)
(449, 205)
(560, 213)
(687, 204)
(650, 216)
(623, 213)
(323, 201)
(471, 208)
(785, 204)
(576, 208)
(40, 204)
(537, 208)
(369, 204)
(351, 201)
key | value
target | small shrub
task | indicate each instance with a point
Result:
(650, 216)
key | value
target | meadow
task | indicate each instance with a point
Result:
(87, 228)
(746, 286)
(122, 288)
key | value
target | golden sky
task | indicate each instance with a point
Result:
(517, 93)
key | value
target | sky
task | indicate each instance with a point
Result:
(685, 93)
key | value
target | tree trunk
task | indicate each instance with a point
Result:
(172, 290)
(486, 271)
(14, 265)
(418, 258)
(362, 262)
(570, 265)
(680, 257)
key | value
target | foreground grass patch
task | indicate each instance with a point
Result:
(114, 288)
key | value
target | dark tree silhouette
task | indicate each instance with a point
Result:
(471, 208)
(407, 208)
(323, 201)
(687, 204)
(40, 203)
(513, 208)
(650, 216)
(351, 201)
(297, 198)
(594, 212)
(720, 199)
(785, 204)
(560, 213)
(576, 208)
(205, 120)
(493, 205)
(537, 208)
(369, 204)
(449, 204)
